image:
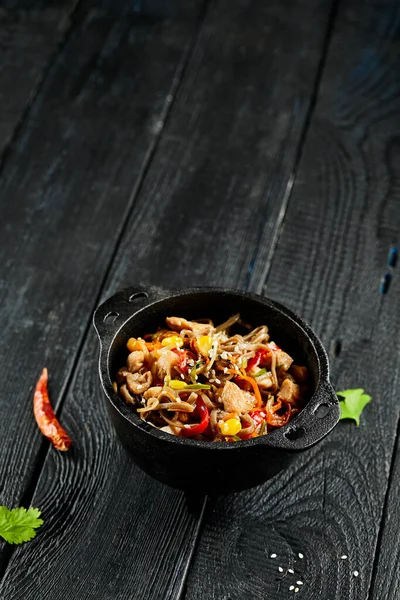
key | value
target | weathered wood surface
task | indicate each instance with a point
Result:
(29, 39)
(223, 162)
(64, 195)
(342, 217)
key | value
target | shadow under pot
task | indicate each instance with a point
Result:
(212, 467)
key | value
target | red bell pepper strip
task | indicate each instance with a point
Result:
(257, 358)
(201, 411)
(258, 417)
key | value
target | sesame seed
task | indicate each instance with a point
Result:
(301, 555)
(355, 573)
(296, 590)
(225, 369)
(217, 381)
(299, 582)
(290, 571)
(291, 588)
(273, 555)
(343, 557)
(182, 376)
(280, 569)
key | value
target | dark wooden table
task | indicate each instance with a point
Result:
(249, 144)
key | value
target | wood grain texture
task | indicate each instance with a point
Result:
(196, 220)
(226, 154)
(332, 252)
(28, 40)
(63, 199)
(385, 583)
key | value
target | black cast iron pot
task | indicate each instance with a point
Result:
(213, 467)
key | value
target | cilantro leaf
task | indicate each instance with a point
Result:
(18, 525)
(353, 404)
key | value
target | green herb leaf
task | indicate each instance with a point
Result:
(18, 525)
(353, 404)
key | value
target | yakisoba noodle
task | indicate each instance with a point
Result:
(192, 379)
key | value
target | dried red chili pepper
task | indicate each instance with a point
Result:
(45, 417)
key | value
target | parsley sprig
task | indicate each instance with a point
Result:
(18, 525)
(353, 403)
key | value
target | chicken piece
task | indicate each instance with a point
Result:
(152, 392)
(162, 362)
(283, 360)
(289, 391)
(137, 383)
(178, 323)
(129, 399)
(121, 375)
(299, 373)
(236, 400)
(135, 361)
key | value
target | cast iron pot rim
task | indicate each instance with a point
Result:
(156, 296)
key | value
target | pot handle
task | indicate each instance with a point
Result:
(313, 423)
(110, 315)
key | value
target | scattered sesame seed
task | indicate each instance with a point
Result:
(296, 590)
(225, 369)
(273, 555)
(343, 557)
(301, 555)
(280, 569)
(291, 588)
(290, 571)
(217, 381)
(299, 582)
(182, 376)
(355, 573)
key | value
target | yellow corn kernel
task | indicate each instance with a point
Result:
(131, 344)
(230, 427)
(176, 384)
(204, 344)
(172, 340)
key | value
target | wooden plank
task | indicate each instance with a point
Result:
(196, 221)
(28, 40)
(332, 252)
(63, 199)
(385, 582)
